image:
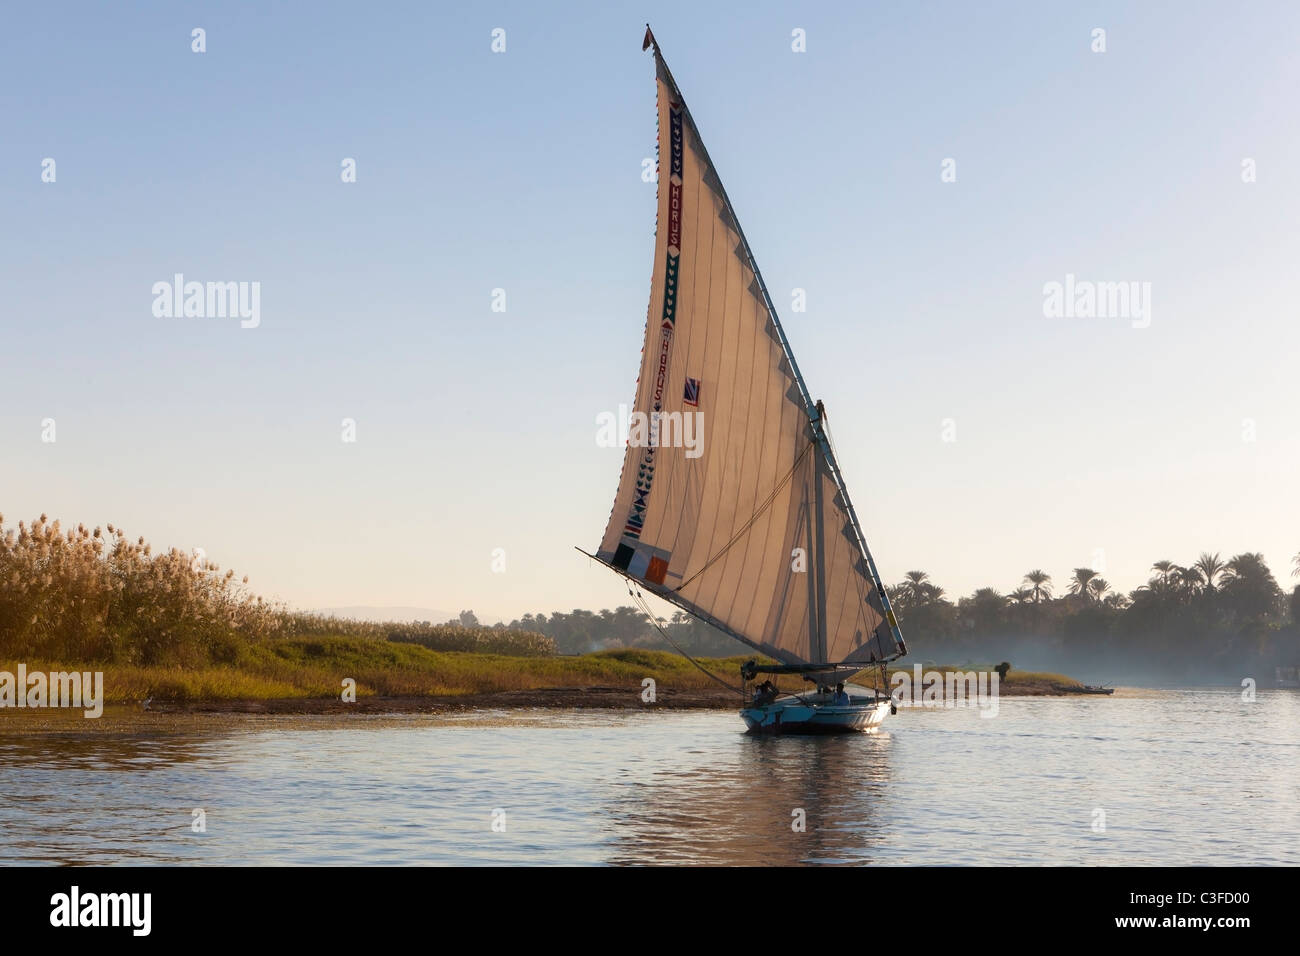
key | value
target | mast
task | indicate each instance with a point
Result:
(817, 639)
(812, 409)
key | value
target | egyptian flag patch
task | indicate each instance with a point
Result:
(642, 562)
(691, 394)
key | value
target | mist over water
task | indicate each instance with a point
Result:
(1189, 776)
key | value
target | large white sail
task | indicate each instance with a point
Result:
(730, 504)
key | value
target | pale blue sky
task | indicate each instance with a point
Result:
(476, 430)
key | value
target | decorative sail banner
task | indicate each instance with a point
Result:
(730, 504)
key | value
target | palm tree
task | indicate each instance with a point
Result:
(1190, 579)
(1211, 567)
(1079, 583)
(1296, 562)
(1098, 586)
(1020, 596)
(1117, 601)
(1246, 566)
(1249, 585)
(913, 587)
(1040, 584)
(1166, 568)
(984, 608)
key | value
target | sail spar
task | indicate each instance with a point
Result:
(731, 504)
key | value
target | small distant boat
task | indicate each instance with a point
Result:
(1096, 689)
(749, 528)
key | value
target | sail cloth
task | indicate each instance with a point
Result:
(727, 506)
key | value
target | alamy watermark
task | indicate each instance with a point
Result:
(208, 300)
(73, 689)
(129, 910)
(651, 430)
(1086, 299)
(946, 689)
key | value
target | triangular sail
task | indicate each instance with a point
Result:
(730, 503)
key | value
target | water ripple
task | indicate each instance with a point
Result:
(1181, 777)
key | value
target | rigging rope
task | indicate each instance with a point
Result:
(767, 503)
(639, 598)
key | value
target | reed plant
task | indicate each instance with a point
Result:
(95, 595)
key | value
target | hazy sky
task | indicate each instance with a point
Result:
(521, 171)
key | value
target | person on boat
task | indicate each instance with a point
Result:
(765, 694)
(841, 698)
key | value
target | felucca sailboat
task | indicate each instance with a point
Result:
(749, 528)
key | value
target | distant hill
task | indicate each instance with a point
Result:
(432, 615)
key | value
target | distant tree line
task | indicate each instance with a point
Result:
(1210, 618)
(582, 632)
(92, 594)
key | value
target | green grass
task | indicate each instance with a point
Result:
(316, 667)
(1017, 680)
(1040, 677)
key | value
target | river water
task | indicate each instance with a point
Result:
(1144, 777)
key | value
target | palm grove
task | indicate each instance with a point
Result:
(1211, 619)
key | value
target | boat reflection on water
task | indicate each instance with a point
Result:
(746, 811)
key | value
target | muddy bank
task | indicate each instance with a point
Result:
(557, 698)
(161, 715)
(563, 698)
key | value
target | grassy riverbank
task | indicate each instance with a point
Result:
(308, 674)
(175, 630)
(293, 668)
